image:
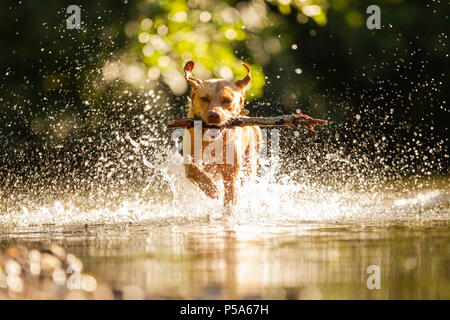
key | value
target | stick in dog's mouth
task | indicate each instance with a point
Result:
(296, 120)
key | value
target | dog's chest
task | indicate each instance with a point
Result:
(217, 148)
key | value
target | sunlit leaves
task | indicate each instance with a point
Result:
(211, 33)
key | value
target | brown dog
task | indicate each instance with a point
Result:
(227, 151)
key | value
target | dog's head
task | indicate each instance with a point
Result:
(216, 101)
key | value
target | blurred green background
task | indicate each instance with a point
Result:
(84, 149)
(385, 91)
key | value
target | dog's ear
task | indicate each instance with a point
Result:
(242, 84)
(243, 111)
(193, 81)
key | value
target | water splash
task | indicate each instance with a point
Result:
(273, 198)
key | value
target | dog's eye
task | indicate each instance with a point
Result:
(226, 101)
(204, 99)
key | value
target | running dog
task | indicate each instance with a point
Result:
(222, 152)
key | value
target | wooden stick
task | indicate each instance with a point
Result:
(294, 120)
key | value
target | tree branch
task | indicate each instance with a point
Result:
(295, 120)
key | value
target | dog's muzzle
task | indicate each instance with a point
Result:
(213, 118)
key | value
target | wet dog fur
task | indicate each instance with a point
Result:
(215, 102)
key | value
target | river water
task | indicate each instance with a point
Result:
(285, 240)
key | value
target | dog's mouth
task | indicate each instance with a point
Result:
(215, 125)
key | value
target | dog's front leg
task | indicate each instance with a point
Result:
(230, 175)
(202, 179)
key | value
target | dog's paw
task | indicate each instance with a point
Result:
(228, 209)
(211, 191)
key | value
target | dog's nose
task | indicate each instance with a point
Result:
(213, 117)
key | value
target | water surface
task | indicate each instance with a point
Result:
(281, 243)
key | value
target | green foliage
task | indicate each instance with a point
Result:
(212, 33)
(62, 85)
